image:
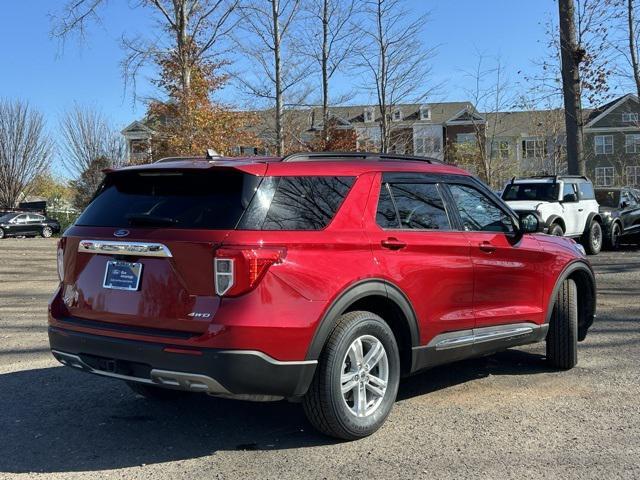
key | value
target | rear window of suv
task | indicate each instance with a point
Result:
(194, 200)
(216, 200)
(546, 192)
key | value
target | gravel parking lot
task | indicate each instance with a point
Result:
(504, 416)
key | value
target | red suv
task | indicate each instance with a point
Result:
(317, 277)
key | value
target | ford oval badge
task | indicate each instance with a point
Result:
(121, 233)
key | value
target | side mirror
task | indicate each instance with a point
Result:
(570, 197)
(531, 223)
(624, 204)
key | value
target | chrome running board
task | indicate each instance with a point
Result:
(453, 346)
(480, 335)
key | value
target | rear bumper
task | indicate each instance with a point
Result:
(227, 372)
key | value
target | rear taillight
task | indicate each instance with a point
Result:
(60, 259)
(238, 270)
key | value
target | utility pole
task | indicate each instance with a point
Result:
(571, 57)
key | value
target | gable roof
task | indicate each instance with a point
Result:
(137, 126)
(599, 113)
(466, 115)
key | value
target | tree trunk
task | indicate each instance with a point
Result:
(325, 72)
(633, 48)
(571, 88)
(275, 9)
(382, 87)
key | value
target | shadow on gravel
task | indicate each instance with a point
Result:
(58, 420)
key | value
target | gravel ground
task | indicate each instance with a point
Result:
(504, 416)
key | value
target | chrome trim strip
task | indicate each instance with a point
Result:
(476, 336)
(138, 249)
(177, 380)
(269, 359)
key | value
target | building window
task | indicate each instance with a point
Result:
(425, 113)
(604, 176)
(501, 149)
(426, 145)
(630, 117)
(632, 143)
(368, 114)
(633, 175)
(603, 144)
(396, 116)
(534, 148)
(466, 138)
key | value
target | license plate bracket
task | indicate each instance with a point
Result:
(121, 275)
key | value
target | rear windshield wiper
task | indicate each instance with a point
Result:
(143, 219)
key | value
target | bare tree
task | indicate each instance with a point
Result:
(25, 150)
(394, 62)
(328, 40)
(625, 43)
(492, 95)
(632, 23)
(277, 74)
(86, 136)
(196, 30)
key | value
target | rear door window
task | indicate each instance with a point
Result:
(412, 206)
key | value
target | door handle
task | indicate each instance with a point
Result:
(393, 243)
(487, 247)
(580, 209)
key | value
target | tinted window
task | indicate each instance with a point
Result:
(531, 191)
(478, 212)
(419, 206)
(608, 198)
(198, 200)
(386, 216)
(569, 192)
(305, 203)
(628, 198)
(586, 190)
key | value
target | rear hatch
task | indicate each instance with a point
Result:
(141, 255)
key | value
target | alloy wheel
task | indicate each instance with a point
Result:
(596, 236)
(364, 375)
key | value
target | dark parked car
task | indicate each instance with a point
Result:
(323, 278)
(620, 210)
(24, 224)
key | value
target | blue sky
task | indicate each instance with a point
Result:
(38, 69)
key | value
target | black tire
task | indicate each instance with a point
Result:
(46, 232)
(562, 338)
(593, 238)
(612, 240)
(556, 230)
(324, 404)
(1, 234)
(152, 392)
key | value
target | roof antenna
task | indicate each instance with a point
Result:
(211, 154)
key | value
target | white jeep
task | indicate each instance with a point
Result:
(567, 205)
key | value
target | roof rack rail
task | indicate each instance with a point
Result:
(556, 177)
(312, 156)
